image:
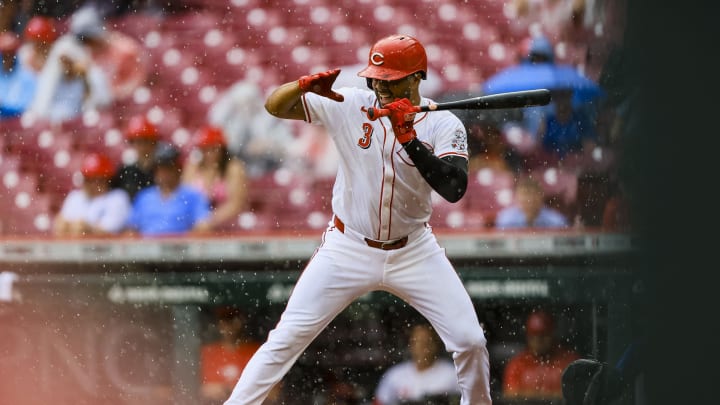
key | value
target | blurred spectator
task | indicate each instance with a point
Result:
(142, 138)
(17, 83)
(488, 149)
(222, 361)
(68, 85)
(168, 207)
(539, 50)
(257, 138)
(529, 209)
(38, 37)
(118, 55)
(424, 377)
(94, 209)
(567, 128)
(616, 213)
(313, 153)
(535, 373)
(218, 175)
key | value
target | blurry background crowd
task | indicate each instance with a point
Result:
(90, 90)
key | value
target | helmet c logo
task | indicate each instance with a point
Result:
(377, 58)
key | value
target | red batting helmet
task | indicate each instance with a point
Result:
(209, 136)
(139, 127)
(96, 165)
(395, 57)
(539, 323)
(41, 29)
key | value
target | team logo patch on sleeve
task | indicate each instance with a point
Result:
(459, 142)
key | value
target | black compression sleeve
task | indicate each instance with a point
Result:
(447, 176)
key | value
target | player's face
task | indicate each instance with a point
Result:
(389, 90)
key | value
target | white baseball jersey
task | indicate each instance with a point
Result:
(404, 382)
(389, 197)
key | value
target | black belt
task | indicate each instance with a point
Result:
(377, 244)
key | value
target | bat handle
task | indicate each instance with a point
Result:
(375, 113)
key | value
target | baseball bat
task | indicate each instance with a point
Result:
(515, 99)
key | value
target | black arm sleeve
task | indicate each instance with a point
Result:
(448, 176)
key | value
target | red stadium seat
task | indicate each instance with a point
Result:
(489, 191)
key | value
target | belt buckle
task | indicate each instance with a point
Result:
(385, 245)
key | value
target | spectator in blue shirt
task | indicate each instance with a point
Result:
(567, 128)
(529, 210)
(168, 207)
(17, 83)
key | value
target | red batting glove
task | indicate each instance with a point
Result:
(402, 115)
(321, 83)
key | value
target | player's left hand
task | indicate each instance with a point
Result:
(321, 83)
(402, 116)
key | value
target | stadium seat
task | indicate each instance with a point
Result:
(489, 191)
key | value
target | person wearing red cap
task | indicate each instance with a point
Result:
(17, 84)
(536, 372)
(142, 137)
(219, 175)
(95, 208)
(38, 37)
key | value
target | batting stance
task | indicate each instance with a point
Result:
(379, 237)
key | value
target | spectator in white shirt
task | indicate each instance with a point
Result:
(94, 209)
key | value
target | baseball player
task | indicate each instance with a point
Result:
(379, 237)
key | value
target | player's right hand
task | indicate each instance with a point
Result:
(321, 83)
(402, 115)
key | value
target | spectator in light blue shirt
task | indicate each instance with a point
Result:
(168, 207)
(17, 83)
(529, 210)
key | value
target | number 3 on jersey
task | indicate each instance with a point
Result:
(364, 142)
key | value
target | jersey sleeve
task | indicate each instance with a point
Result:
(450, 136)
(321, 110)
